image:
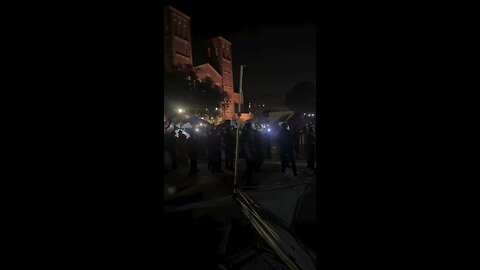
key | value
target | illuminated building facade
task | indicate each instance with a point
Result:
(217, 52)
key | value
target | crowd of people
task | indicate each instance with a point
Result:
(216, 144)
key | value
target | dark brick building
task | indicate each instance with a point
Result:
(216, 53)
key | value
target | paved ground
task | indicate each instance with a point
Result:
(207, 186)
(200, 209)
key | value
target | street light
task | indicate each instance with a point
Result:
(180, 110)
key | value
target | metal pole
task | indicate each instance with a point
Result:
(235, 181)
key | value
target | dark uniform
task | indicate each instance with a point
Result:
(311, 149)
(170, 145)
(229, 142)
(258, 150)
(214, 151)
(286, 144)
(247, 149)
(193, 152)
(182, 148)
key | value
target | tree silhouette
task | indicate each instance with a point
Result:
(182, 88)
(302, 98)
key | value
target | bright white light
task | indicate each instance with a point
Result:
(196, 129)
(304, 114)
(180, 110)
(268, 130)
(313, 114)
(206, 109)
(216, 109)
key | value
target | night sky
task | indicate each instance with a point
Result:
(277, 47)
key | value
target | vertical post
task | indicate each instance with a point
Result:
(235, 181)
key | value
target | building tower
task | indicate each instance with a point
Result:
(177, 39)
(219, 55)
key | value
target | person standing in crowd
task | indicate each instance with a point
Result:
(229, 142)
(258, 150)
(247, 149)
(296, 140)
(268, 150)
(214, 151)
(311, 148)
(193, 151)
(207, 144)
(286, 144)
(182, 148)
(170, 145)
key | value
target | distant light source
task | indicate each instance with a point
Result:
(206, 109)
(196, 129)
(313, 114)
(216, 109)
(304, 114)
(268, 130)
(180, 110)
(171, 190)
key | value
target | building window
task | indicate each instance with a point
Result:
(236, 107)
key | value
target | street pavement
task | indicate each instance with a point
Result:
(181, 189)
(201, 208)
